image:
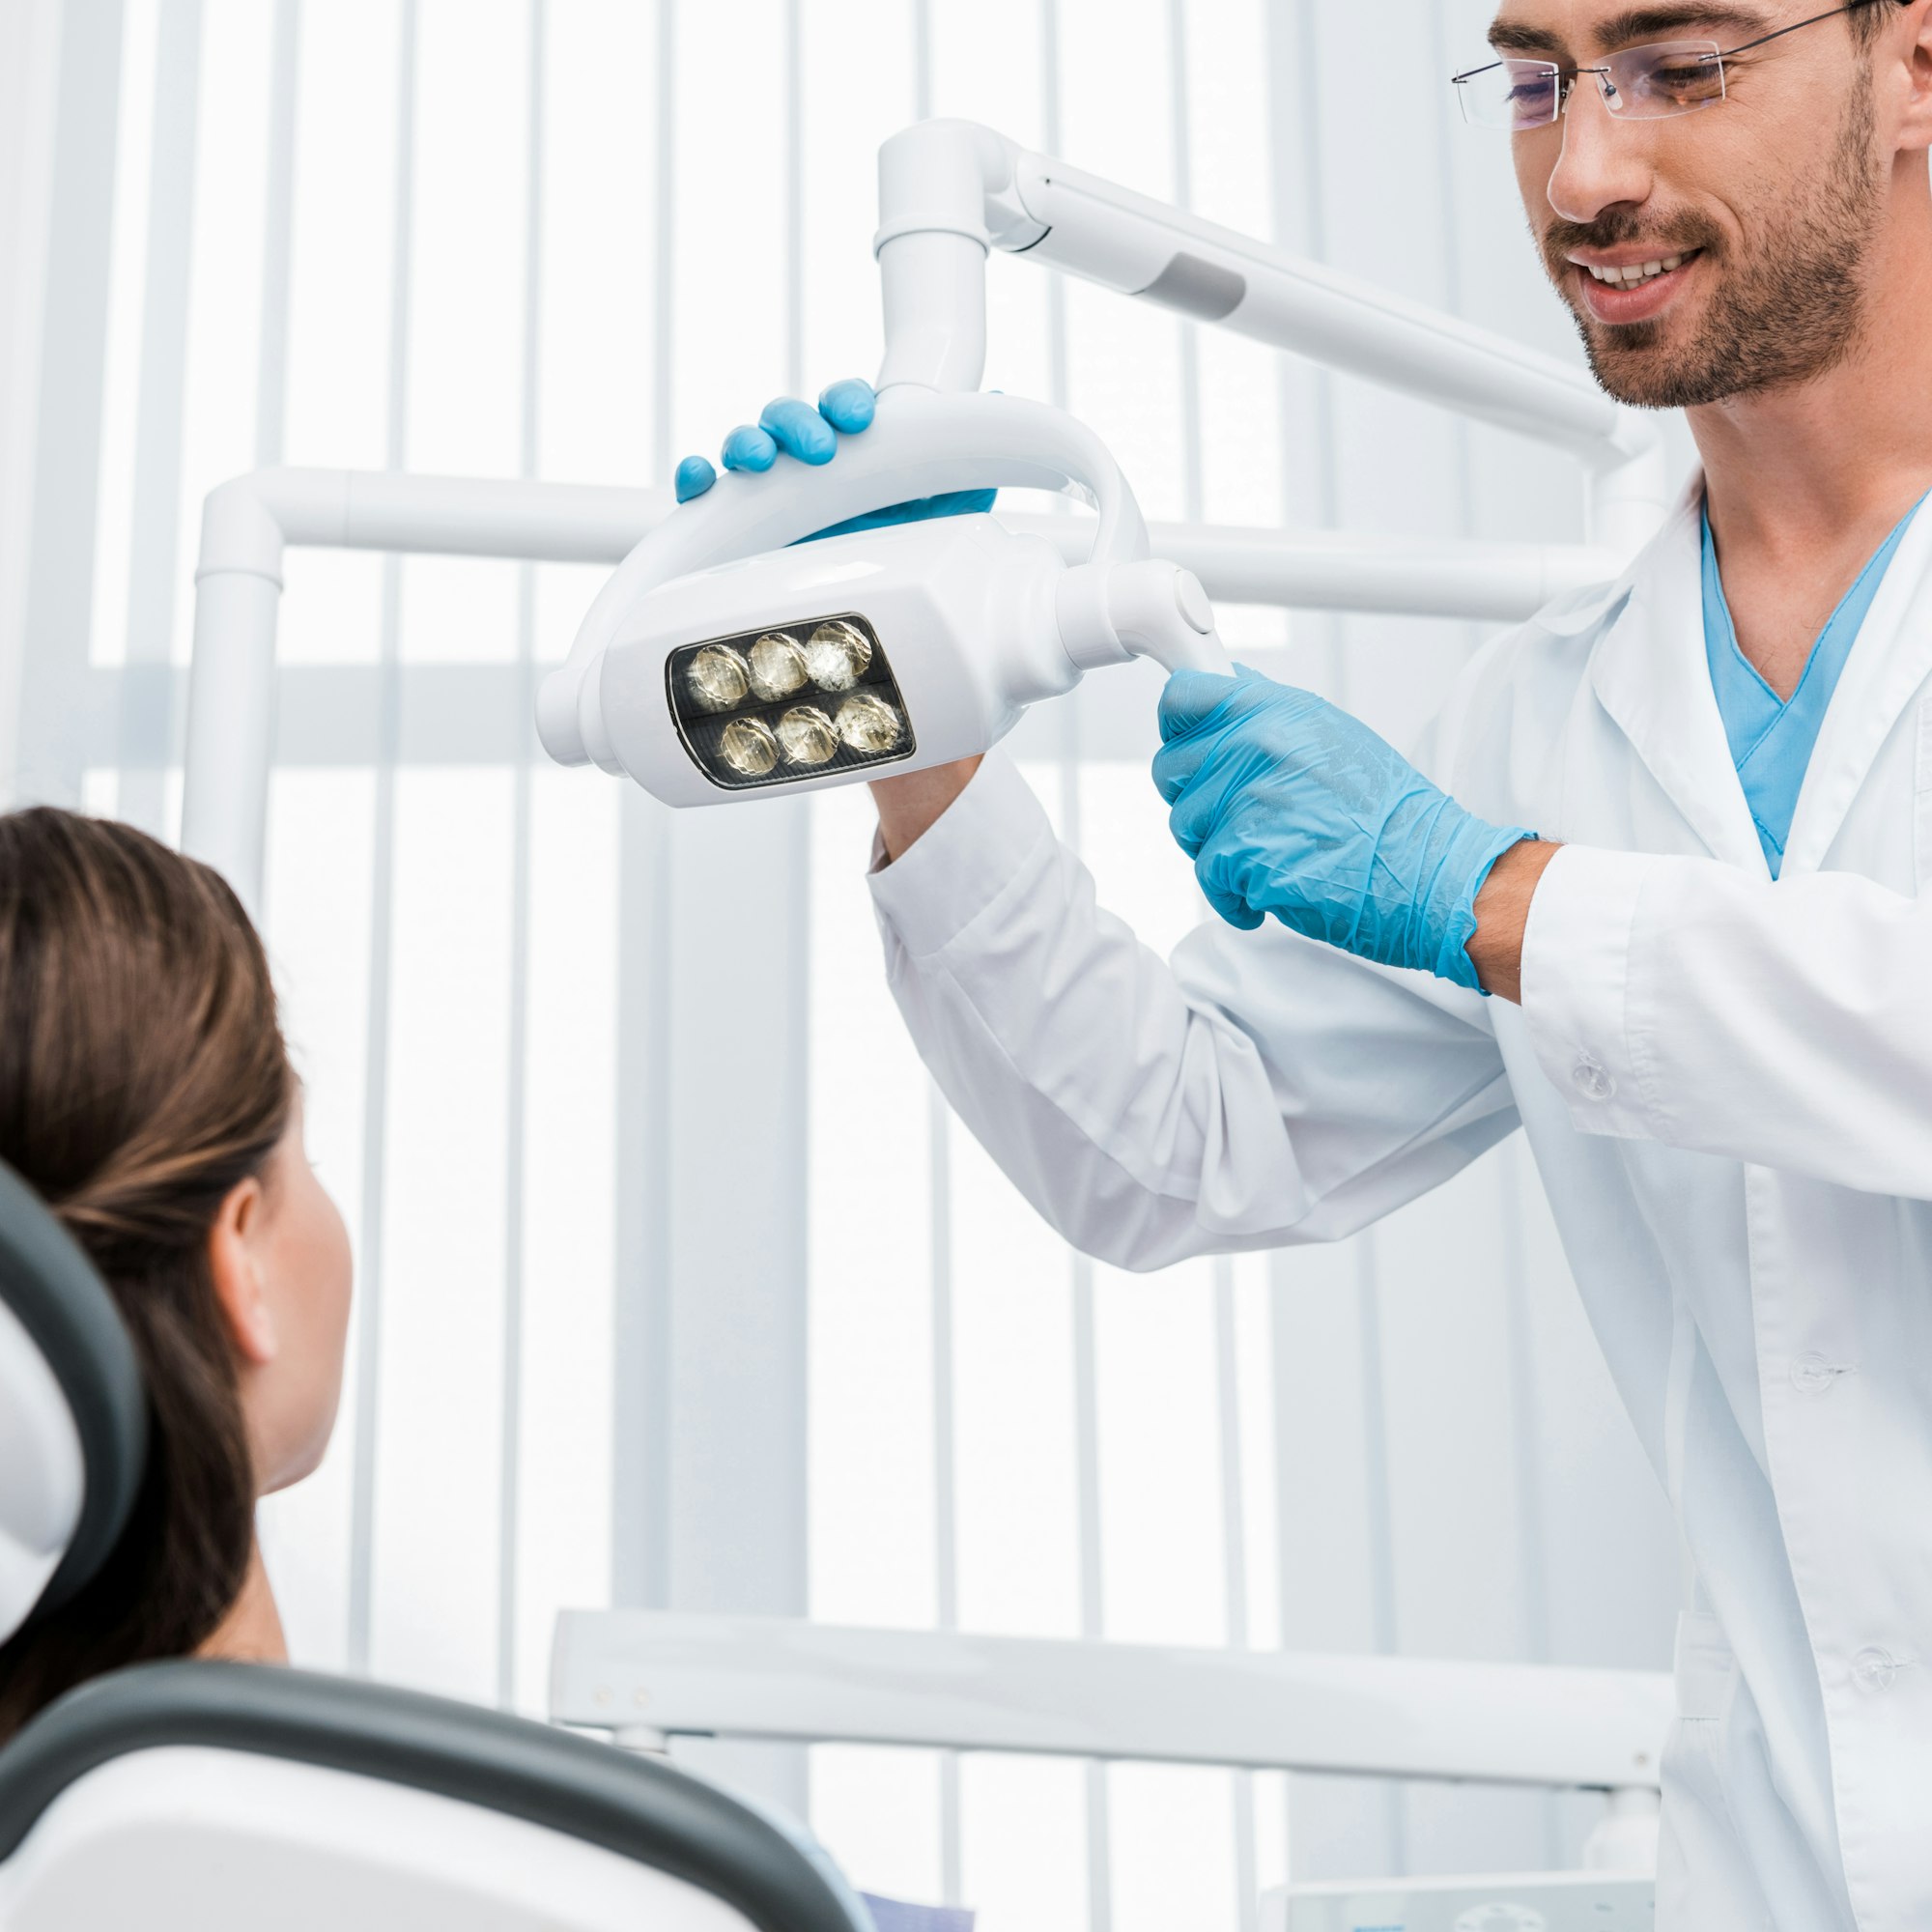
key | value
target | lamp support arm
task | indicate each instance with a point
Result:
(952, 191)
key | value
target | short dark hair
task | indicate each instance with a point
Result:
(1870, 18)
(142, 1077)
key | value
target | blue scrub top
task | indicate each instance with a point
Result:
(1771, 738)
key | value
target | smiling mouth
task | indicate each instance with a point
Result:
(1638, 272)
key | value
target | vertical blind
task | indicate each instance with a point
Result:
(570, 239)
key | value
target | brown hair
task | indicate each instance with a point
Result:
(1869, 19)
(142, 1076)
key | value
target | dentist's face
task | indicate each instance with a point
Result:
(1769, 202)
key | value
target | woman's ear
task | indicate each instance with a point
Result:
(234, 1262)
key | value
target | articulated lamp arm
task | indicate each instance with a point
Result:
(950, 191)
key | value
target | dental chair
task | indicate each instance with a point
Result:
(220, 1797)
(73, 1423)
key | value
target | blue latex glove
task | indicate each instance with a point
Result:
(1290, 807)
(811, 435)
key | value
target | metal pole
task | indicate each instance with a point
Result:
(231, 726)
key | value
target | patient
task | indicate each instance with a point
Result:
(146, 1093)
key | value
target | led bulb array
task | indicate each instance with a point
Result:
(772, 707)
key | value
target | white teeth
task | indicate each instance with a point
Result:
(1637, 272)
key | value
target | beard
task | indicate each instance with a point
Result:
(1789, 312)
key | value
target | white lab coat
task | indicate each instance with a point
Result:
(1728, 1087)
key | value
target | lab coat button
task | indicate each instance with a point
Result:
(1812, 1375)
(1592, 1079)
(1874, 1670)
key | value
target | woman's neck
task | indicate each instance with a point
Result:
(251, 1633)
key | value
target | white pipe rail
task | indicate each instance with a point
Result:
(1326, 570)
(635, 1672)
(950, 191)
(249, 522)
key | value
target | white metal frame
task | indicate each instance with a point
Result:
(646, 1677)
(950, 193)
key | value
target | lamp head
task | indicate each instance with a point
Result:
(727, 660)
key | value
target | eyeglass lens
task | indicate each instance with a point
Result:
(1639, 83)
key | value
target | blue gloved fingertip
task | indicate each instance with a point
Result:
(849, 405)
(748, 447)
(694, 476)
(799, 430)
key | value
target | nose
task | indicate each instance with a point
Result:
(1602, 161)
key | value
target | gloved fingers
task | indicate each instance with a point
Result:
(1191, 698)
(799, 430)
(749, 449)
(849, 405)
(1195, 816)
(1176, 765)
(694, 476)
(1232, 907)
(1218, 759)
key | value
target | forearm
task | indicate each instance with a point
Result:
(1502, 917)
(909, 806)
(1154, 1109)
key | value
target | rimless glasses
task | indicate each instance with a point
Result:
(1639, 83)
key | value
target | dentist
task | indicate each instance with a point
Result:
(1712, 961)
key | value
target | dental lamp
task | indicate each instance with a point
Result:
(720, 662)
(726, 657)
(950, 192)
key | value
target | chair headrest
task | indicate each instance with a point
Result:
(74, 1421)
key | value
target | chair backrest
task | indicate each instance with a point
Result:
(72, 1417)
(222, 1797)
(212, 1798)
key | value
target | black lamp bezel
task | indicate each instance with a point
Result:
(699, 730)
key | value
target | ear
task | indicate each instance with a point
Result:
(1915, 131)
(234, 1262)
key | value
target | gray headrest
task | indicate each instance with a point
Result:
(73, 1422)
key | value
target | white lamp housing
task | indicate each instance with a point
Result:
(963, 624)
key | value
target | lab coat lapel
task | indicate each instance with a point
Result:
(1889, 661)
(1650, 674)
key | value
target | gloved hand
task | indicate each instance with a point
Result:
(1290, 807)
(811, 435)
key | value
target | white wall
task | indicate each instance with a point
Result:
(29, 68)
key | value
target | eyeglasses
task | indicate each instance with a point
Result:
(1638, 84)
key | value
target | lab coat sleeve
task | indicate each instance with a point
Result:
(1257, 1089)
(1790, 1025)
